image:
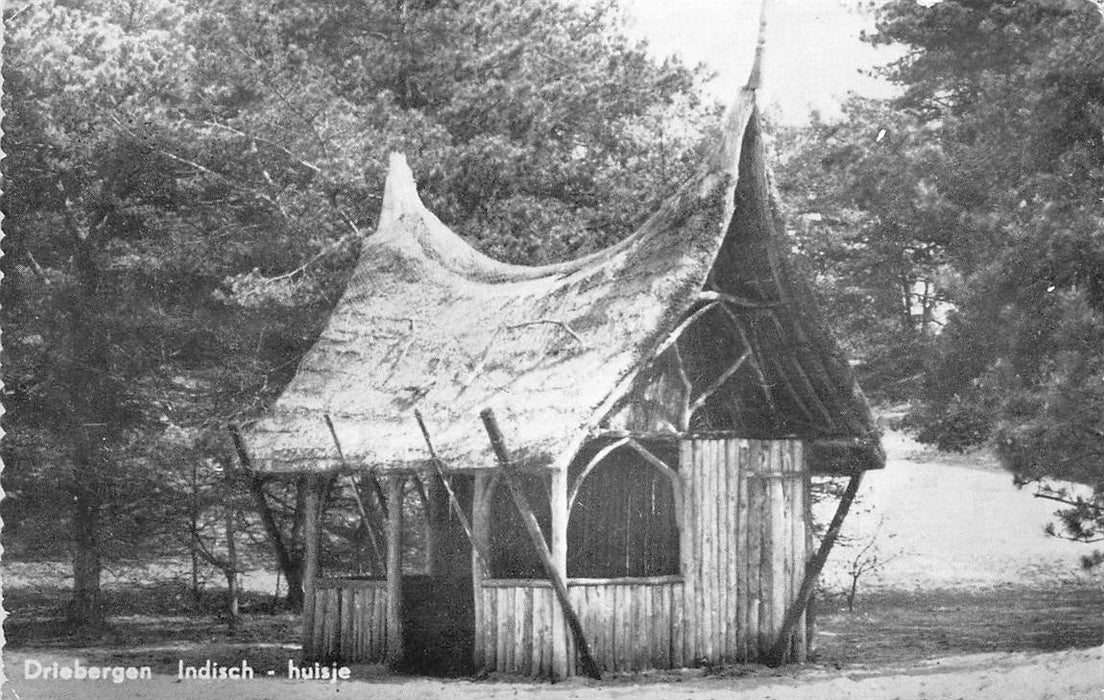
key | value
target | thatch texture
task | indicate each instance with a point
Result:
(561, 351)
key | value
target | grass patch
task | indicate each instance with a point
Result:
(894, 627)
(159, 625)
(139, 614)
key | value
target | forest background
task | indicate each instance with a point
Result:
(186, 185)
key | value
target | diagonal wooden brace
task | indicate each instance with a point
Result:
(590, 668)
(369, 525)
(777, 654)
(453, 500)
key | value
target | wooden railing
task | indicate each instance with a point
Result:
(350, 620)
(631, 624)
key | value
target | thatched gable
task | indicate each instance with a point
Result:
(561, 352)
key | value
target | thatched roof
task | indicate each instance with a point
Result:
(560, 351)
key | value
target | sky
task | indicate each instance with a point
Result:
(813, 52)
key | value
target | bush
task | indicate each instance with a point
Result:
(956, 428)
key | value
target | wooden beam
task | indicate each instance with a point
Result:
(677, 332)
(745, 337)
(356, 492)
(778, 651)
(478, 547)
(687, 390)
(795, 395)
(552, 321)
(649, 457)
(712, 295)
(433, 525)
(311, 533)
(718, 383)
(423, 493)
(801, 345)
(372, 480)
(666, 470)
(598, 457)
(562, 658)
(394, 570)
(813, 395)
(380, 497)
(557, 573)
(480, 537)
(371, 477)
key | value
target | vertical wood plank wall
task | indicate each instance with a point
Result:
(744, 542)
(628, 624)
(350, 621)
(744, 546)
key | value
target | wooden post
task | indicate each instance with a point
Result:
(777, 654)
(560, 514)
(480, 530)
(553, 570)
(687, 561)
(433, 523)
(233, 578)
(311, 533)
(394, 570)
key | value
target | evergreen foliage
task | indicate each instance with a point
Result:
(985, 177)
(185, 187)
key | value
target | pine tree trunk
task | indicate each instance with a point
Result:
(193, 516)
(233, 607)
(290, 563)
(85, 608)
(91, 403)
(294, 575)
(929, 310)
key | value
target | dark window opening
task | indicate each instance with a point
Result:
(513, 554)
(624, 521)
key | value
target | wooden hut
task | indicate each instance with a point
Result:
(663, 404)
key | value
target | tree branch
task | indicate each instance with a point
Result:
(38, 270)
(308, 119)
(269, 142)
(321, 254)
(1065, 500)
(674, 335)
(554, 322)
(718, 382)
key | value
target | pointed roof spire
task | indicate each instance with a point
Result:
(756, 75)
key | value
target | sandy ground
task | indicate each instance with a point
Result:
(950, 521)
(1071, 675)
(936, 522)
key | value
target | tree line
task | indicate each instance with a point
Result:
(186, 187)
(957, 230)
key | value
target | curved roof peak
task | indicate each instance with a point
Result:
(429, 322)
(437, 242)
